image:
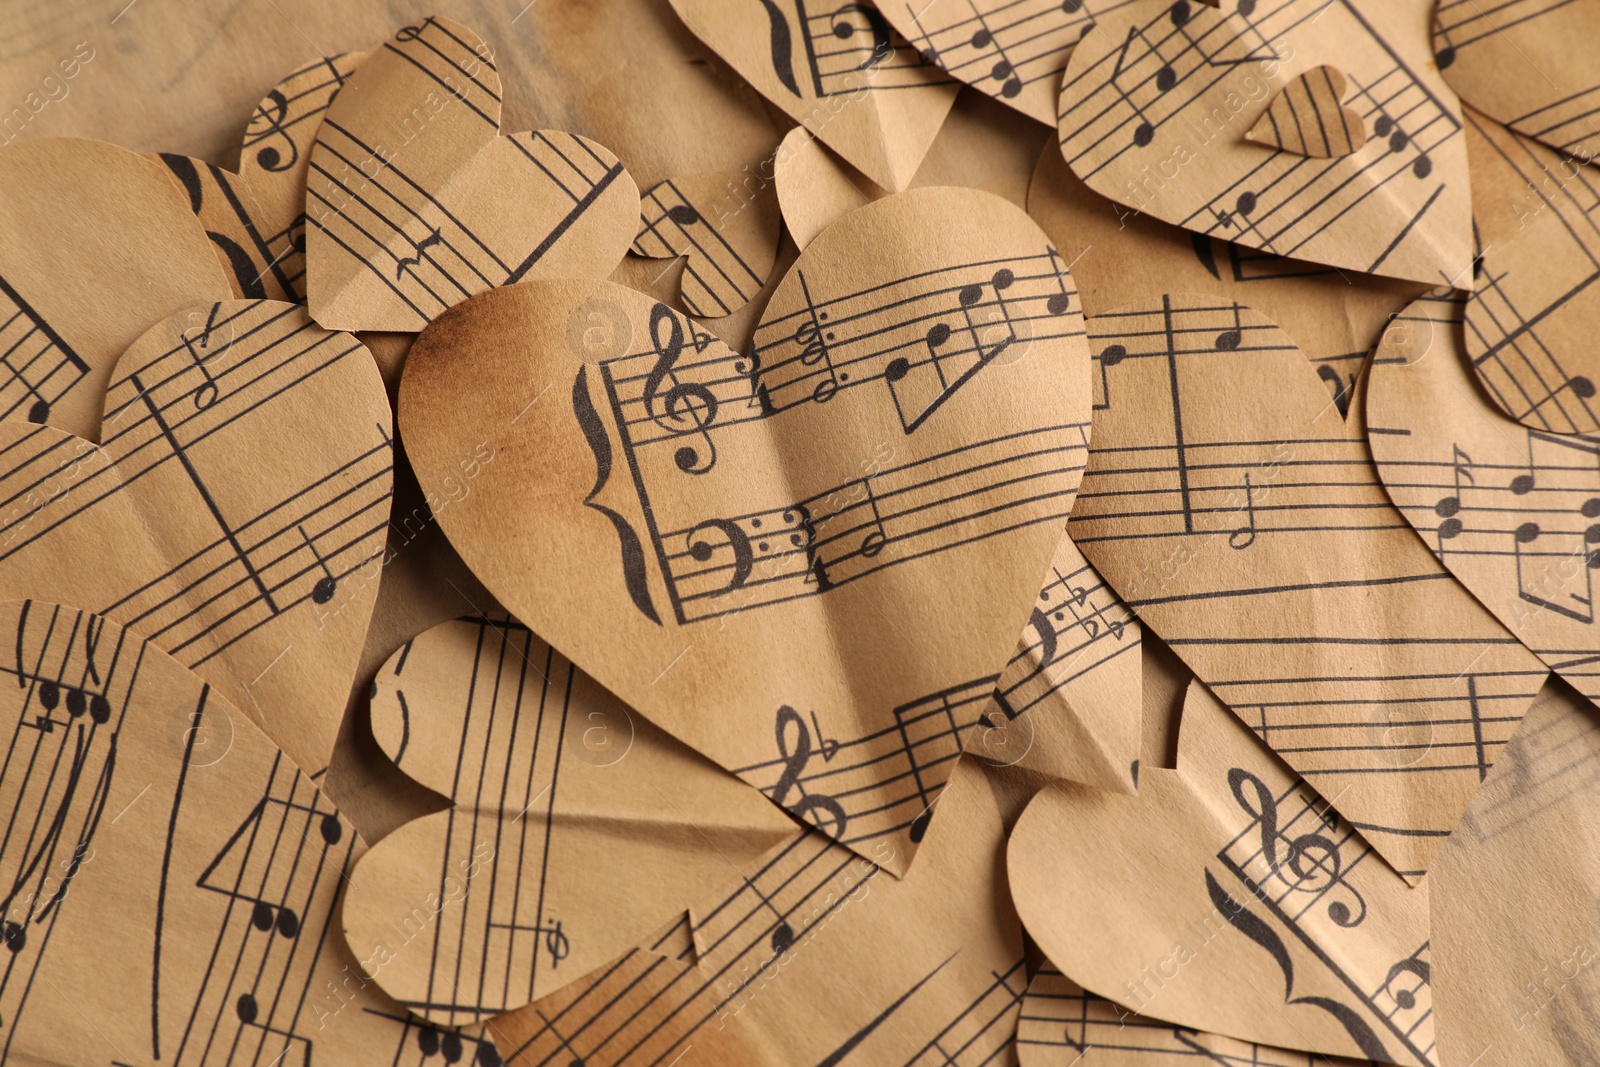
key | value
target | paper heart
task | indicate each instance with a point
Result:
(1061, 1024)
(932, 963)
(415, 202)
(95, 245)
(845, 75)
(590, 826)
(1529, 321)
(1156, 100)
(180, 877)
(233, 515)
(256, 219)
(1513, 512)
(1228, 897)
(724, 225)
(1488, 54)
(1306, 117)
(1257, 540)
(787, 543)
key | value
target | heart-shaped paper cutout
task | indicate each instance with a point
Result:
(1513, 512)
(844, 74)
(256, 219)
(931, 963)
(415, 202)
(1157, 99)
(1530, 320)
(788, 543)
(96, 243)
(592, 826)
(724, 225)
(1257, 539)
(1061, 1024)
(1228, 897)
(181, 876)
(1307, 118)
(243, 480)
(1530, 64)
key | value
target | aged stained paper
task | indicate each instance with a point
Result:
(230, 515)
(811, 954)
(1258, 541)
(256, 217)
(1513, 512)
(785, 541)
(1157, 99)
(175, 900)
(96, 243)
(1515, 886)
(597, 825)
(844, 74)
(724, 229)
(1229, 897)
(414, 200)
(1527, 63)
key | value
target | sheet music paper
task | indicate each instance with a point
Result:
(1229, 897)
(842, 73)
(1510, 510)
(255, 218)
(1528, 63)
(415, 201)
(597, 825)
(787, 542)
(232, 514)
(96, 243)
(1307, 117)
(1157, 98)
(811, 954)
(1258, 541)
(726, 231)
(174, 901)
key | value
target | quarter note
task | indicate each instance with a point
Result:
(328, 584)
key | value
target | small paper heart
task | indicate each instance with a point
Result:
(1307, 118)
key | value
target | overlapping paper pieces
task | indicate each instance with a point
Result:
(1061, 1025)
(1334, 316)
(415, 201)
(256, 218)
(96, 243)
(1529, 321)
(843, 74)
(813, 954)
(1227, 896)
(1513, 512)
(1307, 117)
(174, 901)
(725, 227)
(1529, 64)
(230, 514)
(786, 541)
(591, 826)
(1257, 540)
(1516, 984)
(1157, 99)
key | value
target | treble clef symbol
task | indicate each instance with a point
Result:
(685, 407)
(795, 759)
(1312, 859)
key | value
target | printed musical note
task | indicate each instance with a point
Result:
(40, 365)
(729, 235)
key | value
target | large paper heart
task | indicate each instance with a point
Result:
(96, 243)
(256, 219)
(812, 553)
(242, 486)
(813, 955)
(1228, 897)
(590, 825)
(1256, 538)
(844, 74)
(415, 202)
(1530, 64)
(178, 885)
(1513, 512)
(1157, 99)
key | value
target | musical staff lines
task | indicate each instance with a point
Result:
(40, 365)
(851, 46)
(728, 257)
(1217, 525)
